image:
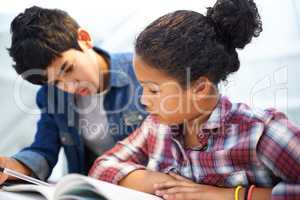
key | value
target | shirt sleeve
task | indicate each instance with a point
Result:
(128, 155)
(42, 155)
(279, 150)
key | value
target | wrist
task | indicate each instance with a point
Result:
(18, 166)
(219, 193)
(242, 193)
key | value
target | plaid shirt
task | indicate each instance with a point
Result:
(244, 146)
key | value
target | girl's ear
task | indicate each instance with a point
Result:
(201, 85)
(84, 39)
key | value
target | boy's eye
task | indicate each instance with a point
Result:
(69, 69)
(56, 82)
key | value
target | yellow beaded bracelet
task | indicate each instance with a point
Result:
(236, 192)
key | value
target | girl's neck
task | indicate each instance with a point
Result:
(192, 127)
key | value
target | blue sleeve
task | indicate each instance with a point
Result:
(42, 155)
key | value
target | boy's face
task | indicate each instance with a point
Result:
(165, 98)
(76, 71)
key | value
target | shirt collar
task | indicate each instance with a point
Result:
(219, 115)
(118, 77)
(215, 121)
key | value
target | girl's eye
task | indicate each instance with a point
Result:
(154, 91)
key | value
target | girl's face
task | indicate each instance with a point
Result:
(165, 98)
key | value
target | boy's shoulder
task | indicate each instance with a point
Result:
(122, 56)
(118, 60)
(41, 96)
(122, 59)
(122, 70)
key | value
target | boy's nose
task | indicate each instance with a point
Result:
(69, 86)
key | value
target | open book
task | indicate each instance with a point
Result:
(78, 187)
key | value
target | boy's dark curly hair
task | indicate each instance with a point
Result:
(206, 45)
(39, 36)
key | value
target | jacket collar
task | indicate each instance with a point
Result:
(118, 77)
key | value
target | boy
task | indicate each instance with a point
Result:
(88, 101)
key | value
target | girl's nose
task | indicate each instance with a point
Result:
(146, 102)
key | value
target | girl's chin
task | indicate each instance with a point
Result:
(166, 121)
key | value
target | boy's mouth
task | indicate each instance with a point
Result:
(83, 91)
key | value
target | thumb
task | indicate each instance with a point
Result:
(3, 178)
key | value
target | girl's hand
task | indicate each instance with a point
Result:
(184, 189)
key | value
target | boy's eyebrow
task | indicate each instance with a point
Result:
(61, 70)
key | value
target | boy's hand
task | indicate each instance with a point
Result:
(185, 189)
(7, 162)
(3, 177)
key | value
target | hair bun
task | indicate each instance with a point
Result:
(236, 21)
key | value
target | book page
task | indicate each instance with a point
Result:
(73, 182)
(20, 196)
(47, 192)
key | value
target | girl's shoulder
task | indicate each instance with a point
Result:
(242, 112)
(270, 121)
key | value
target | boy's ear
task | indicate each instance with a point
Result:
(84, 39)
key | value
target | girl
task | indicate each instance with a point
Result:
(219, 150)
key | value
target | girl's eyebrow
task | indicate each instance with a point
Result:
(150, 82)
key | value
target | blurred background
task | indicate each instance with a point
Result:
(268, 76)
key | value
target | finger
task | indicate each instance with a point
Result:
(178, 177)
(182, 196)
(3, 163)
(165, 184)
(170, 184)
(176, 190)
(3, 178)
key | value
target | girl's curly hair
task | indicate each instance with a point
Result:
(184, 40)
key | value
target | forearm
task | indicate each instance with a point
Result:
(143, 180)
(183, 188)
(262, 194)
(13, 164)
